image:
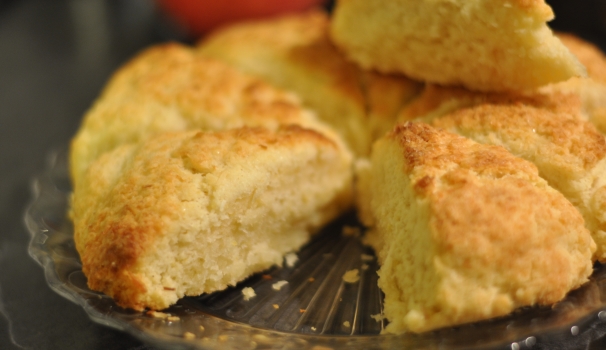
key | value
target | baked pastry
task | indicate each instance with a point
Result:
(193, 212)
(591, 89)
(294, 52)
(435, 101)
(547, 130)
(501, 45)
(466, 231)
(568, 151)
(171, 87)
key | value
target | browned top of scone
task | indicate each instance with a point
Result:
(170, 87)
(563, 138)
(435, 151)
(488, 208)
(175, 74)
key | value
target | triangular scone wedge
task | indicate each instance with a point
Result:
(466, 232)
(591, 89)
(171, 87)
(294, 52)
(195, 212)
(486, 45)
(548, 130)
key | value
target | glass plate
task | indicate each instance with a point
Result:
(316, 309)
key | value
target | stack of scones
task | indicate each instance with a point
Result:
(468, 136)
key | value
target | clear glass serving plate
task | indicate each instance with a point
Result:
(316, 309)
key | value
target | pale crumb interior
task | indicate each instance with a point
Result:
(406, 276)
(251, 217)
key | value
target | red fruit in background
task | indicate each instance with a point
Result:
(200, 16)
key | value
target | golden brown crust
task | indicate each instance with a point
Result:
(172, 73)
(172, 88)
(548, 130)
(552, 124)
(560, 138)
(163, 188)
(461, 212)
(425, 147)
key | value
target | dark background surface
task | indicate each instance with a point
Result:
(55, 57)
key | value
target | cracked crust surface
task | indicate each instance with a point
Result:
(534, 132)
(502, 45)
(473, 233)
(170, 87)
(568, 151)
(548, 130)
(193, 212)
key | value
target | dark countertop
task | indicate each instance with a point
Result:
(54, 58)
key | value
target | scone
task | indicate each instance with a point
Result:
(295, 53)
(466, 231)
(591, 89)
(170, 87)
(547, 130)
(435, 101)
(497, 45)
(193, 212)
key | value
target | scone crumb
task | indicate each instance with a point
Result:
(263, 339)
(276, 306)
(248, 293)
(223, 337)
(351, 276)
(351, 231)
(377, 317)
(364, 267)
(347, 324)
(173, 318)
(278, 285)
(157, 314)
(291, 259)
(366, 257)
(313, 329)
(202, 328)
(189, 335)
